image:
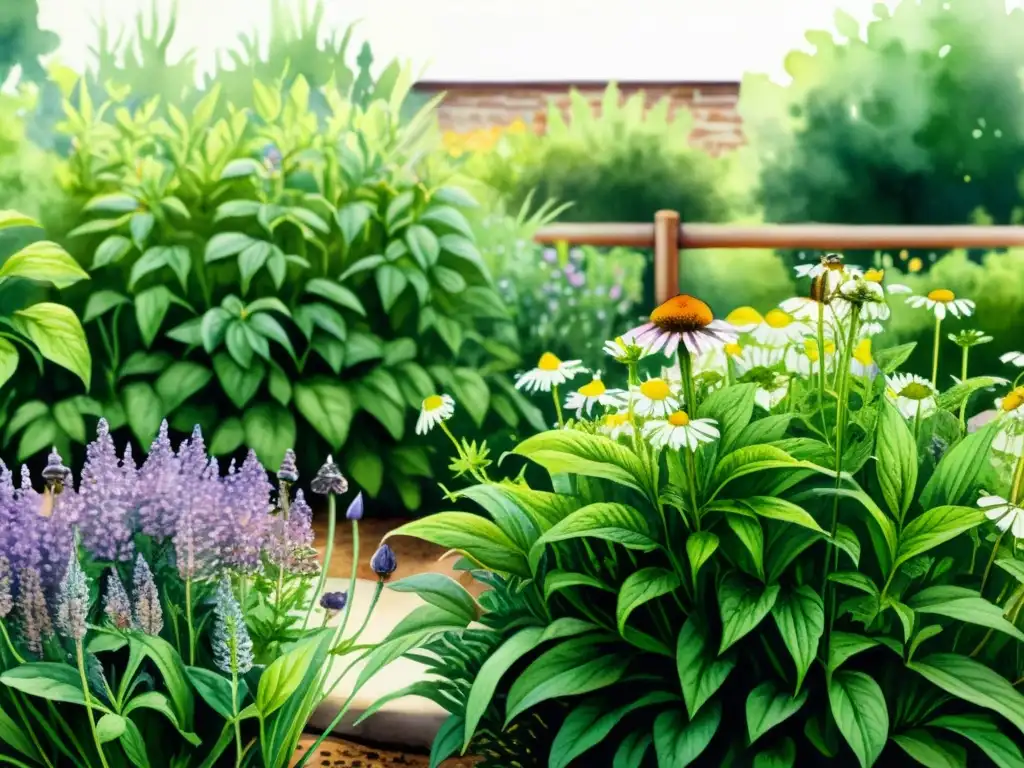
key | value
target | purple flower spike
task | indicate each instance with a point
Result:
(355, 509)
(383, 562)
(291, 544)
(55, 473)
(329, 480)
(118, 608)
(73, 601)
(232, 646)
(288, 472)
(106, 502)
(160, 488)
(332, 602)
(6, 597)
(36, 626)
(149, 616)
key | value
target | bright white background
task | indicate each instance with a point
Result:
(511, 39)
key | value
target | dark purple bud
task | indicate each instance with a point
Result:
(288, 471)
(355, 509)
(55, 473)
(383, 562)
(329, 480)
(334, 601)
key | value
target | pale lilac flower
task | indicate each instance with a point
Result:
(244, 516)
(232, 646)
(148, 614)
(192, 454)
(291, 545)
(117, 607)
(160, 488)
(73, 601)
(6, 594)
(35, 623)
(106, 500)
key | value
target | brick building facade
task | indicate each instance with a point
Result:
(469, 106)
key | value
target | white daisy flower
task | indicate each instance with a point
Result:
(654, 398)
(1006, 516)
(805, 310)
(550, 372)
(617, 424)
(433, 411)
(594, 393)
(804, 359)
(1013, 404)
(744, 319)
(757, 357)
(769, 397)
(909, 392)
(871, 328)
(687, 320)
(942, 300)
(1013, 358)
(869, 295)
(780, 329)
(862, 364)
(1009, 443)
(679, 430)
(624, 349)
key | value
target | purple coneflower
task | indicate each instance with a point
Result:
(683, 320)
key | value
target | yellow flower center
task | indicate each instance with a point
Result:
(1014, 400)
(744, 316)
(548, 362)
(915, 264)
(595, 388)
(679, 419)
(655, 389)
(943, 295)
(874, 275)
(682, 313)
(432, 403)
(916, 391)
(616, 419)
(777, 319)
(811, 348)
(733, 350)
(862, 352)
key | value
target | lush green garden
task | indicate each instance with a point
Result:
(795, 494)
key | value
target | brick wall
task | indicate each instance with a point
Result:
(471, 106)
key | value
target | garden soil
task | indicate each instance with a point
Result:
(338, 753)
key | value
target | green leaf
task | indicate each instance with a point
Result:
(58, 335)
(442, 591)
(609, 521)
(134, 745)
(929, 751)
(239, 167)
(799, 614)
(228, 437)
(633, 749)
(238, 343)
(365, 264)
(896, 465)
(144, 410)
(110, 727)
(782, 510)
(679, 743)
(455, 196)
(101, 302)
(972, 681)
(367, 469)
(111, 251)
(268, 327)
(158, 702)
(700, 546)
(701, 671)
(783, 755)
(844, 645)
(423, 244)
(556, 581)
(9, 358)
(743, 606)
(269, 431)
(339, 294)
(471, 534)
(958, 471)
(328, 408)
(140, 225)
(46, 680)
(44, 262)
(889, 360)
(935, 527)
(215, 690)
(150, 310)
(954, 397)
(99, 225)
(464, 249)
(569, 452)
(750, 534)
(352, 218)
(448, 217)
(226, 244)
(10, 219)
(983, 733)
(251, 260)
(732, 407)
(111, 203)
(847, 541)
(10, 732)
(767, 707)
(171, 668)
(281, 679)
(279, 386)
(861, 713)
(641, 587)
(391, 281)
(179, 382)
(472, 393)
(446, 742)
(571, 668)
(963, 605)
(591, 722)
(239, 384)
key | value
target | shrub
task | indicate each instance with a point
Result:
(821, 553)
(254, 270)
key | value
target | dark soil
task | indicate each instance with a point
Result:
(339, 753)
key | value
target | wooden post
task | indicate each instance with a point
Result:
(666, 255)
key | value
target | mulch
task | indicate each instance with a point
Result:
(339, 753)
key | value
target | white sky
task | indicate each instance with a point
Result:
(509, 39)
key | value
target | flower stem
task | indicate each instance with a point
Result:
(188, 622)
(88, 702)
(686, 374)
(234, 711)
(558, 406)
(935, 352)
(14, 651)
(31, 731)
(1018, 481)
(821, 367)
(332, 516)
(963, 377)
(991, 559)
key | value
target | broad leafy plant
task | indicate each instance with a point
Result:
(750, 559)
(270, 269)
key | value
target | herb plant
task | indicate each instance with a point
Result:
(777, 550)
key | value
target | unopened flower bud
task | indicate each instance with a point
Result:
(383, 562)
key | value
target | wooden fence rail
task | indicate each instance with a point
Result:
(667, 236)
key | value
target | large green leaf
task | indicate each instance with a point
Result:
(226, 244)
(55, 330)
(239, 384)
(150, 310)
(609, 521)
(10, 219)
(859, 709)
(475, 536)
(782, 510)
(47, 680)
(768, 706)
(44, 262)
(972, 681)
(641, 587)
(743, 605)
(180, 381)
(569, 452)
(896, 454)
(352, 218)
(732, 407)
(10, 732)
(9, 358)
(985, 734)
(678, 742)
(440, 590)
(799, 614)
(935, 527)
(964, 605)
(701, 671)
(423, 244)
(700, 546)
(927, 750)
(519, 521)
(958, 471)
(284, 675)
(843, 645)
(591, 722)
(391, 281)
(327, 406)
(143, 409)
(269, 431)
(101, 302)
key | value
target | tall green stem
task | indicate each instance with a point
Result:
(332, 509)
(10, 645)
(686, 374)
(821, 367)
(935, 352)
(991, 559)
(88, 702)
(188, 621)
(963, 377)
(234, 707)
(558, 406)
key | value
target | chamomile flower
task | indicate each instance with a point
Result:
(677, 430)
(878, 275)
(683, 320)
(940, 301)
(830, 268)
(1006, 516)
(654, 398)
(780, 329)
(594, 393)
(1009, 442)
(861, 363)
(752, 357)
(1012, 405)
(744, 319)
(806, 309)
(433, 411)
(615, 425)
(1013, 358)
(624, 349)
(910, 394)
(550, 372)
(805, 359)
